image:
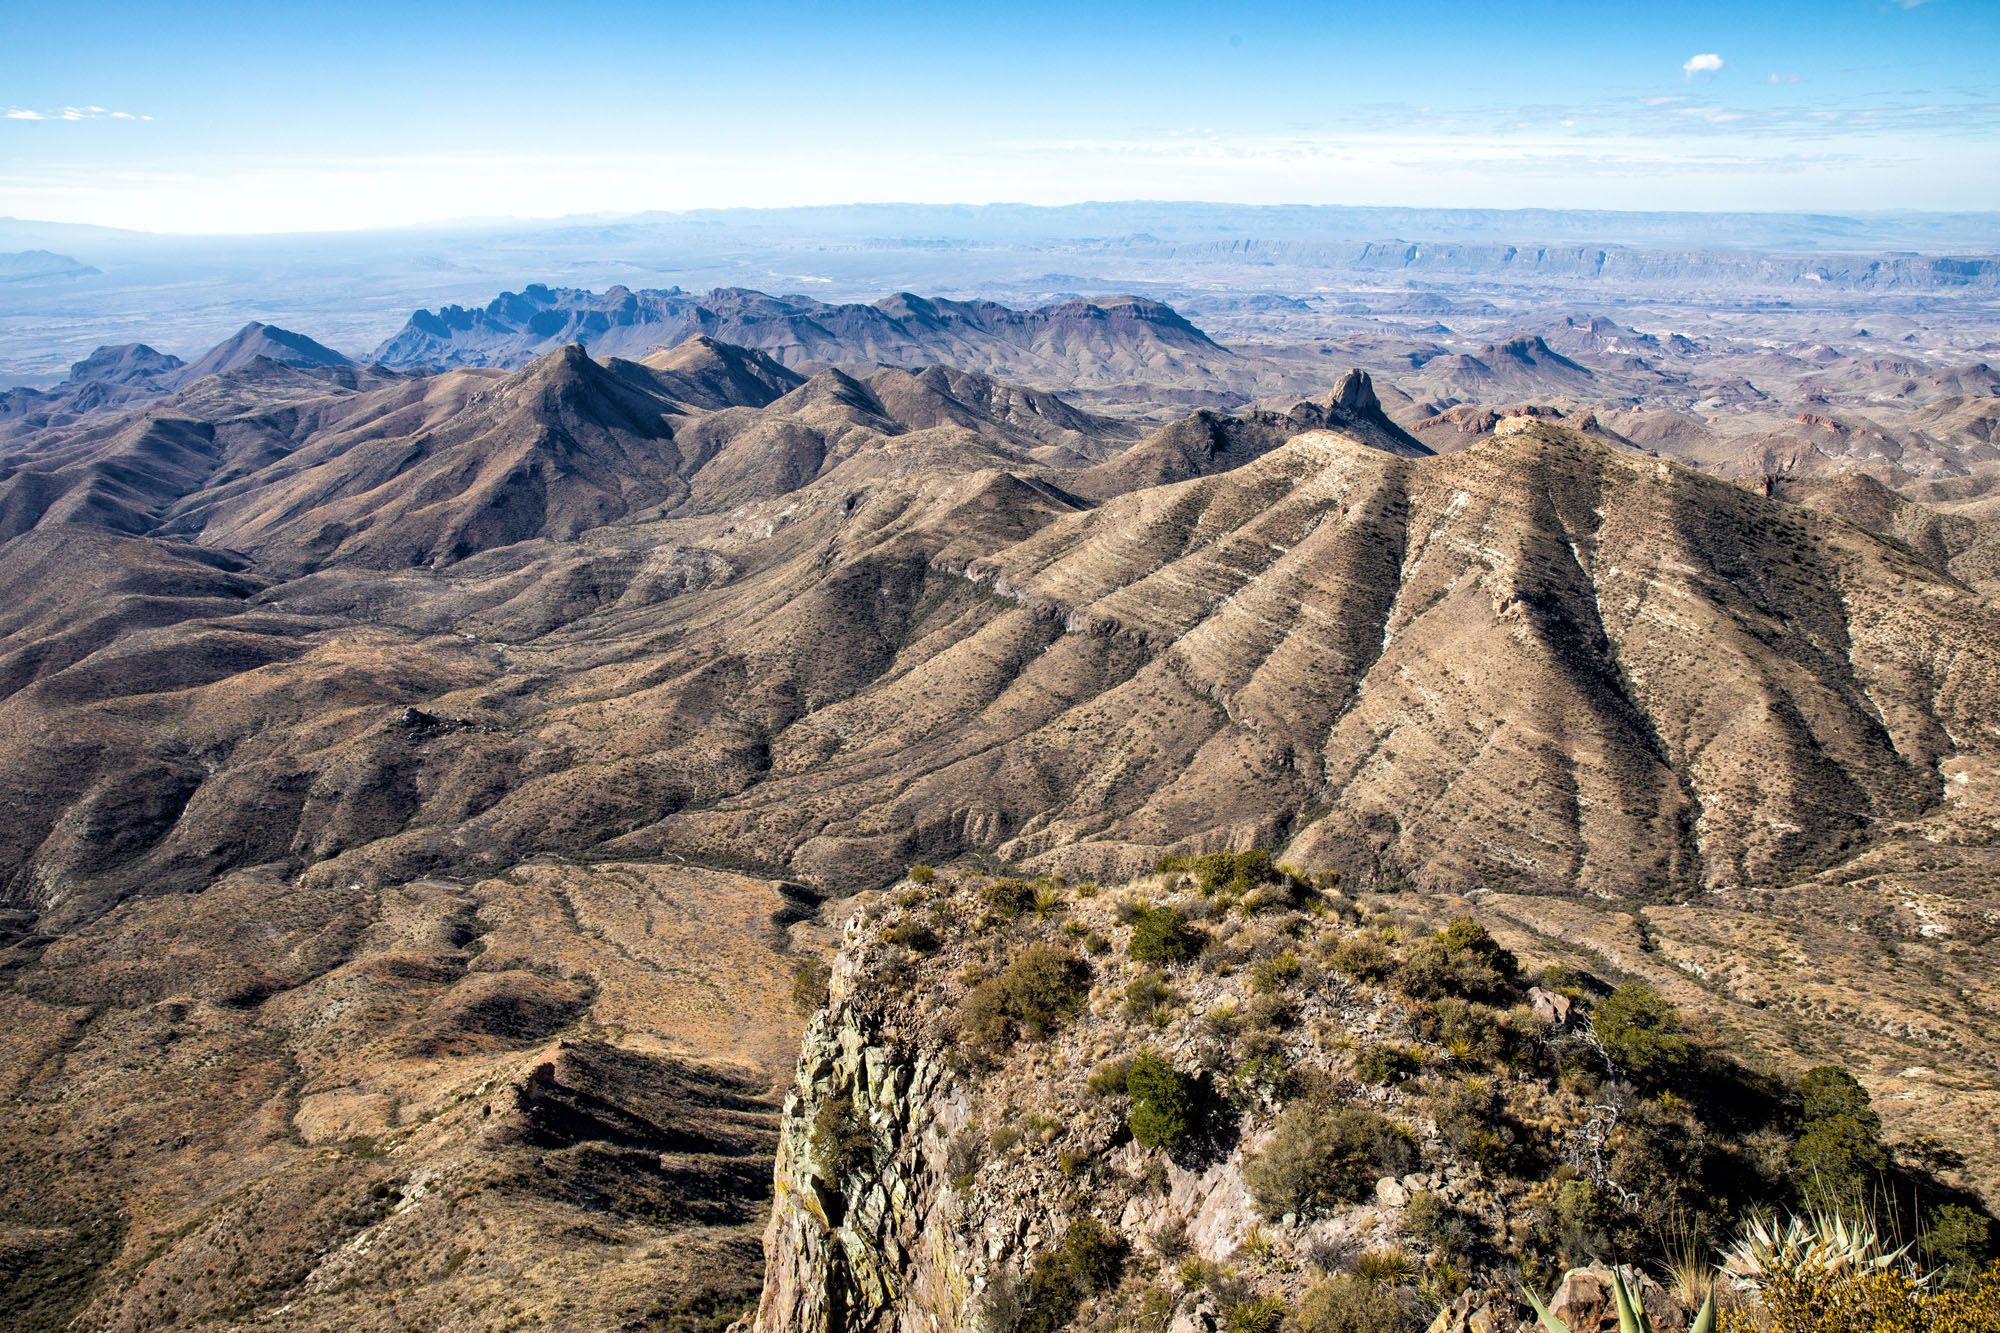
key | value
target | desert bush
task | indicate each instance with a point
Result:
(841, 1141)
(1037, 993)
(1260, 1062)
(1956, 1243)
(1008, 898)
(1383, 1063)
(1088, 1261)
(922, 874)
(1165, 1103)
(1346, 1304)
(1839, 1150)
(1462, 959)
(1364, 957)
(1232, 874)
(1469, 1032)
(1473, 1120)
(1270, 1013)
(1147, 996)
(1643, 1034)
(1581, 1223)
(809, 983)
(912, 935)
(1275, 973)
(1318, 1157)
(1258, 1314)
(1162, 935)
(1430, 1219)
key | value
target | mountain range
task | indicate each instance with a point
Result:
(418, 784)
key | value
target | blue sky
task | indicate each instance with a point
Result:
(273, 117)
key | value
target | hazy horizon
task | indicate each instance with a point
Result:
(617, 217)
(256, 120)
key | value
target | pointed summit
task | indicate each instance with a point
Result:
(1354, 407)
(708, 373)
(268, 341)
(1355, 393)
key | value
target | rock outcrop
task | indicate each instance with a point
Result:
(869, 1239)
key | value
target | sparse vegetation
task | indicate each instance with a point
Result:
(1163, 935)
(1349, 1304)
(1037, 993)
(1462, 960)
(841, 1140)
(1166, 1107)
(809, 982)
(1643, 1034)
(1318, 1157)
(1088, 1261)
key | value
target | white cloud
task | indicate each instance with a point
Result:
(1708, 62)
(73, 113)
(1775, 79)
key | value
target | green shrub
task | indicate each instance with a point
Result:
(1469, 1032)
(1165, 1105)
(1582, 1222)
(1473, 1121)
(1839, 1150)
(1258, 1314)
(1348, 1305)
(1383, 1063)
(1462, 959)
(912, 935)
(922, 874)
(1162, 935)
(1276, 973)
(1037, 993)
(1008, 898)
(1643, 1034)
(842, 1143)
(1317, 1158)
(1147, 996)
(1364, 957)
(809, 982)
(1432, 1220)
(1957, 1242)
(1231, 873)
(1088, 1261)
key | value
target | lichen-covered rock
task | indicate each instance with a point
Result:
(871, 1248)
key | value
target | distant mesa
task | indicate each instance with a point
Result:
(1102, 341)
(126, 364)
(42, 266)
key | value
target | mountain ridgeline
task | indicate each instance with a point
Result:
(420, 776)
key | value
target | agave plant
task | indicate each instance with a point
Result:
(1631, 1315)
(1821, 1245)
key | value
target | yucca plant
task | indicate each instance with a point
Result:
(1823, 1244)
(1631, 1315)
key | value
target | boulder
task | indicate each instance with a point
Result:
(1584, 1300)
